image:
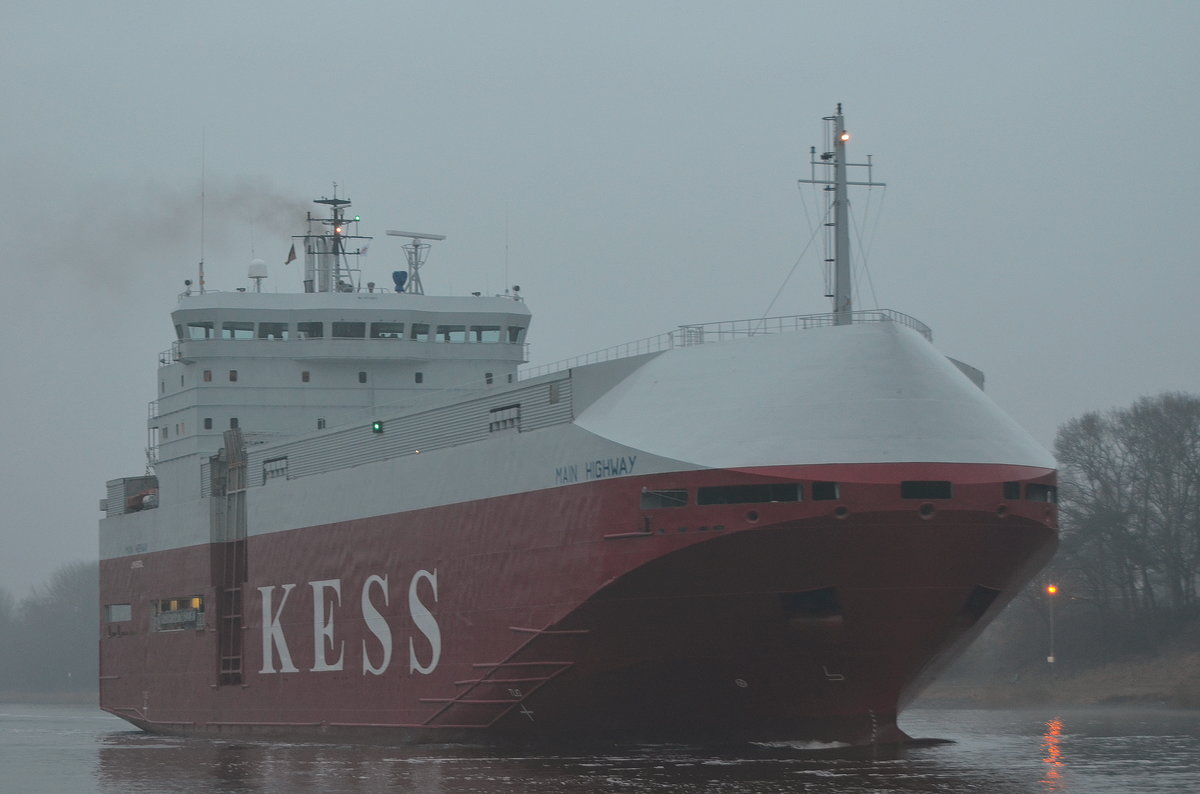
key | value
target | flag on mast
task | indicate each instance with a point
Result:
(291, 254)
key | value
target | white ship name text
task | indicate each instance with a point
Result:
(329, 653)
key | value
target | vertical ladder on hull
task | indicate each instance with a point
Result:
(229, 554)
(501, 686)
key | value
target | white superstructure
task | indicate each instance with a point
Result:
(279, 365)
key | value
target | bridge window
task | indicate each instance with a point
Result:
(237, 330)
(419, 332)
(233, 376)
(387, 330)
(118, 613)
(272, 330)
(233, 423)
(208, 376)
(200, 330)
(310, 330)
(516, 334)
(452, 333)
(1012, 490)
(485, 333)
(349, 330)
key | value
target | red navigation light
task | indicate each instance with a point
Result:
(1051, 589)
(845, 136)
(337, 229)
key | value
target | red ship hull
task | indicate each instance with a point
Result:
(573, 613)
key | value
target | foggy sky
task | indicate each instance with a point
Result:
(632, 165)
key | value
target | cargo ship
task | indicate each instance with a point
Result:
(364, 517)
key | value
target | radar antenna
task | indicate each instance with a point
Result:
(416, 251)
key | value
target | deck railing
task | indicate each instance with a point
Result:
(688, 335)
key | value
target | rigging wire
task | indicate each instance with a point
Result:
(864, 267)
(795, 264)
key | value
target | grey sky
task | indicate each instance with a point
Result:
(637, 159)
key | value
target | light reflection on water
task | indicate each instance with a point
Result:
(1053, 758)
(997, 752)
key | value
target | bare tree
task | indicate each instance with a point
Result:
(1131, 504)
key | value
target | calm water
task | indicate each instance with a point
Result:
(75, 749)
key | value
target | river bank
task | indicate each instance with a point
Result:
(1171, 679)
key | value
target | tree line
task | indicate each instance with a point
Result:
(1128, 563)
(51, 636)
(1130, 509)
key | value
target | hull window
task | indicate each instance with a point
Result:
(506, 418)
(822, 603)
(824, 491)
(978, 602)
(745, 494)
(652, 500)
(178, 614)
(1036, 492)
(926, 489)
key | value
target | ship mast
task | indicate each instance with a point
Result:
(836, 184)
(326, 253)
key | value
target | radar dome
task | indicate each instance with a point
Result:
(258, 268)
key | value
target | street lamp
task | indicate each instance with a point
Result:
(1051, 591)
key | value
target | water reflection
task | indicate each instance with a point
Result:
(130, 762)
(1052, 756)
(1003, 752)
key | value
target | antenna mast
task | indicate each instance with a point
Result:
(203, 165)
(326, 255)
(835, 184)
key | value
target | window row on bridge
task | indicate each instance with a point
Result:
(417, 332)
